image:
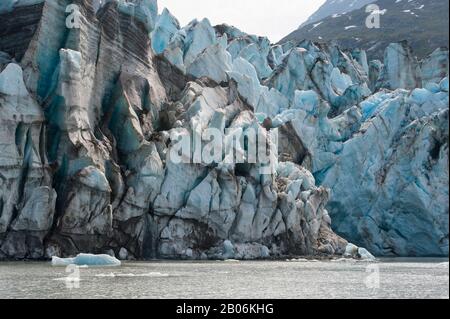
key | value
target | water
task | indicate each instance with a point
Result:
(399, 278)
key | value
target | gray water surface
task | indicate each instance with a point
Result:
(397, 278)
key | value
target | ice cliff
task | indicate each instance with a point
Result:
(88, 117)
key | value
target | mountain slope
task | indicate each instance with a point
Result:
(423, 23)
(331, 7)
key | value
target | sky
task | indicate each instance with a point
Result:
(272, 18)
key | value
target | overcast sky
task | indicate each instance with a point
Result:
(272, 18)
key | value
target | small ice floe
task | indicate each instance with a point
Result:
(364, 254)
(342, 260)
(67, 279)
(110, 275)
(86, 260)
(302, 260)
(353, 251)
(148, 275)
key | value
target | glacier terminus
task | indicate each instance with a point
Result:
(88, 116)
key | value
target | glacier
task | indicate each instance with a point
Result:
(89, 117)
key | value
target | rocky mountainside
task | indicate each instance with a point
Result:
(335, 7)
(92, 108)
(424, 24)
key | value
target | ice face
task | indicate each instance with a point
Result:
(303, 67)
(434, 67)
(166, 26)
(443, 85)
(7, 5)
(391, 177)
(254, 50)
(214, 62)
(199, 36)
(11, 81)
(145, 11)
(247, 79)
(257, 56)
(400, 68)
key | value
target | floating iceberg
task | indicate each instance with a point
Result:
(86, 260)
(354, 251)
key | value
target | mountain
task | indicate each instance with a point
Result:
(424, 24)
(127, 134)
(334, 7)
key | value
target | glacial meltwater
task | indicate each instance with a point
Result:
(388, 278)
